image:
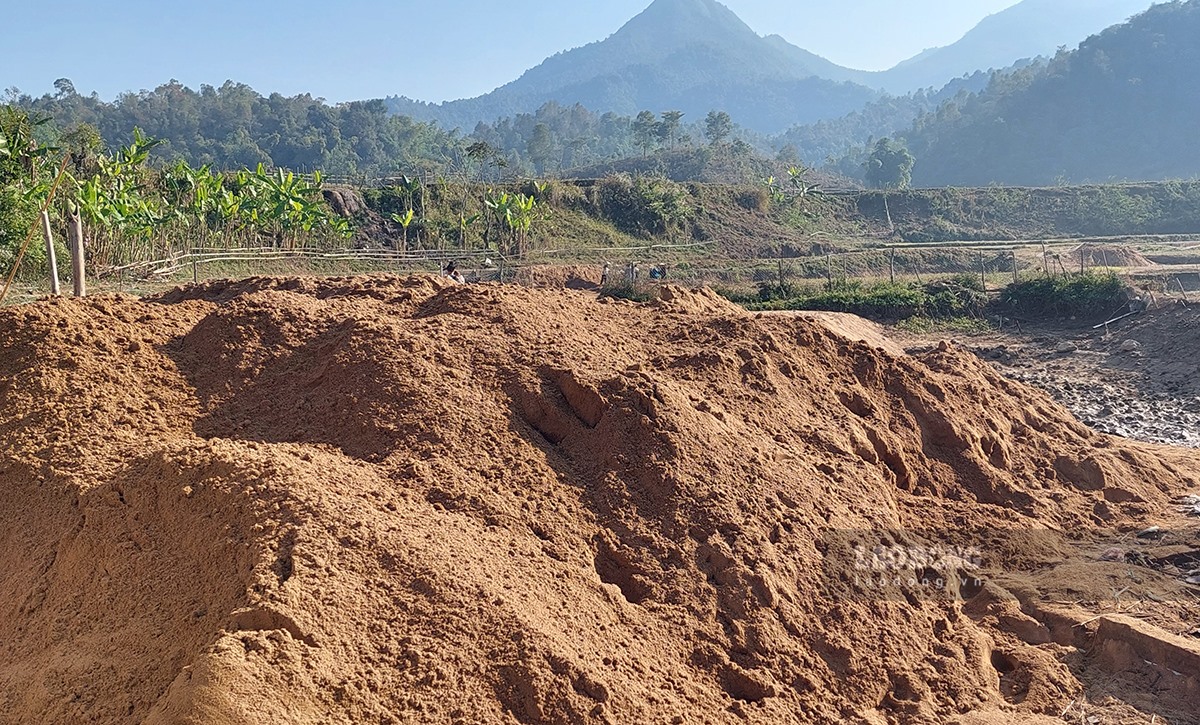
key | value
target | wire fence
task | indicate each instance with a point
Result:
(699, 263)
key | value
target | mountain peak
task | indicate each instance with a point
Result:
(693, 56)
(689, 19)
(703, 7)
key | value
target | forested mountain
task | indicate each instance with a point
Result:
(697, 55)
(691, 55)
(1028, 29)
(1120, 107)
(1124, 105)
(829, 141)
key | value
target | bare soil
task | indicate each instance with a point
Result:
(1138, 378)
(396, 500)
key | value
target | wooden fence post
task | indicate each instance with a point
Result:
(78, 271)
(51, 259)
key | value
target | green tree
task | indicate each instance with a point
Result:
(84, 143)
(889, 166)
(717, 126)
(668, 128)
(480, 152)
(541, 148)
(645, 131)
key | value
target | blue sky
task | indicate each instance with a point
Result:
(433, 50)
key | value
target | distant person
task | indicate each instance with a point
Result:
(451, 271)
(604, 275)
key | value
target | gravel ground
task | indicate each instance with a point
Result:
(1102, 398)
(1140, 379)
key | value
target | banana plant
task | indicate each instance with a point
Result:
(464, 222)
(22, 154)
(516, 212)
(404, 220)
(801, 187)
(773, 189)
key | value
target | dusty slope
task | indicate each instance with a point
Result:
(383, 500)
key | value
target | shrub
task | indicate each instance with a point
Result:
(1087, 295)
(546, 192)
(753, 199)
(626, 292)
(642, 206)
(884, 301)
(18, 214)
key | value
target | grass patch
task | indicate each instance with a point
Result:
(1086, 295)
(886, 301)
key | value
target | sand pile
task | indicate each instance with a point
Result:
(564, 276)
(386, 500)
(1107, 255)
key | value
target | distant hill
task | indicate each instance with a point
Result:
(689, 55)
(827, 141)
(1122, 107)
(1026, 30)
(697, 55)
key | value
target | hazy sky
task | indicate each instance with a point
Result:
(429, 50)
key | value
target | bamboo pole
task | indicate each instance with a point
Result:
(51, 259)
(78, 271)
(892, 264)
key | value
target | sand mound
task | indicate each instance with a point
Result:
(1107, 255)
(561, 276)
(851, 327)
(384, 500)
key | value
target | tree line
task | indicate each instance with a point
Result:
(132, 209)
(233, 126)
